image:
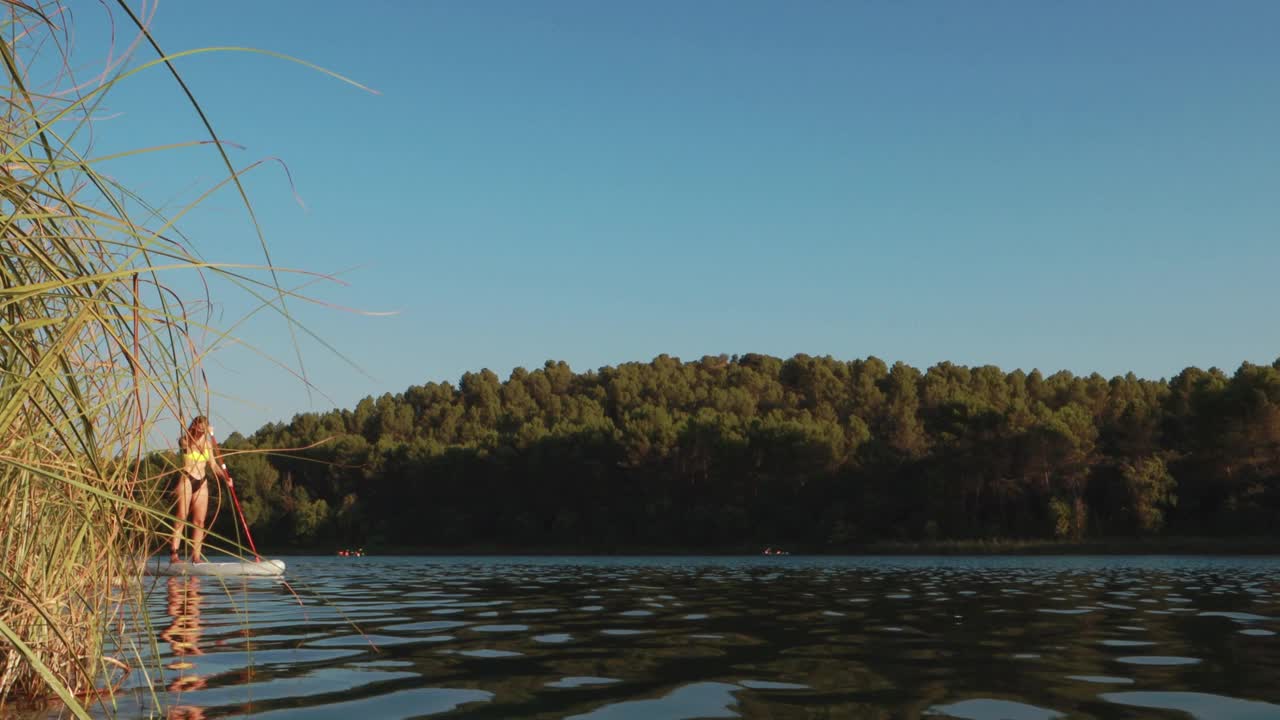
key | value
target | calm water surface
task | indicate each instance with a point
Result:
(766, 637)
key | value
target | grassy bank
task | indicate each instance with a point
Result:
(80, 362)
(101, 358)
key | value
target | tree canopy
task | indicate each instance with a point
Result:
(734, 451)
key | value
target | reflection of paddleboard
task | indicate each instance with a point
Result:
(222, 568)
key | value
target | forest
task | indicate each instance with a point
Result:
(747, 451)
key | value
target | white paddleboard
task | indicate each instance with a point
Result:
(221, 568)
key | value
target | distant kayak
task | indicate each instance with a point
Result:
(221, 568)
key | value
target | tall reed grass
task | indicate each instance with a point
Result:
(96, 357)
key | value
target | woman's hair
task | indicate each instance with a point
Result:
(199, 427)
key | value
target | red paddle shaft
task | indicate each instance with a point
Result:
(232, 487)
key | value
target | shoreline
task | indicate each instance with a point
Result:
(1203, 546)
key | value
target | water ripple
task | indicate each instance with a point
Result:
(719, 637)
(699, 700)
(1201, 706)
(988, 709)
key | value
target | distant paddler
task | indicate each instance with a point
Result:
(191, 489)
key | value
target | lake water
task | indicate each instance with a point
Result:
(764, 637)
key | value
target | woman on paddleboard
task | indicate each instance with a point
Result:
(192, 490)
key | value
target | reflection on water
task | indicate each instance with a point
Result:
(683, 638)
(182, 604)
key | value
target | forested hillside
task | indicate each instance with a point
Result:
(734, 451)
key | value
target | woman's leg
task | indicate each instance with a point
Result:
(199, 506)
(183, 491)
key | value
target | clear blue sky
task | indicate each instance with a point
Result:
(1088, 186)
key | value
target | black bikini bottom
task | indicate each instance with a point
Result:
(195, 484)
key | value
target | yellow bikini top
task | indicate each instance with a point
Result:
(197, 455)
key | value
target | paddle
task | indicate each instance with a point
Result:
(231, 485)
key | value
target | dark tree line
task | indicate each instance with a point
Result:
(738, 451)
